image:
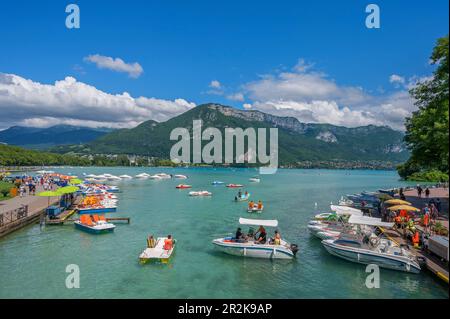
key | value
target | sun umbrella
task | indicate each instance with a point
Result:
(404, 207)
(49, 194)
(75, 181)
(397, 202)
(67, 190)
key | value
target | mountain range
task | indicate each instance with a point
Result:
(297, 141)
(43, 138)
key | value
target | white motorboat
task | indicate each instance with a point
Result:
(372, 249)
(125, 176)
(114, 178)
(382, 252)
(345, 210)
(179, 176)
(200, 193)
(157, 253)
(251, 248)
(157, 177)
(254, 179)
(142, 176)
(163, 175)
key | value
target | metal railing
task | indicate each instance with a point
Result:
(13, 215)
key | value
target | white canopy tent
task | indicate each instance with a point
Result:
(371, 221)
(258, 222)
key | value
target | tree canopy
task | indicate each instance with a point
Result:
(427, 130)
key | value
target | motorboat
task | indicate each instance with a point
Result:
(142, 176)
(183, 186)
(345, 210)
(217, 183)
(162, 176)
(157, 177)
(157, 253)
(179, 176)
(235, 185)
(242, 198)
(114, 178)
(337, 212)
(372, 249)
(95, 225)
(254, 179)
(200, 193)
(380, 251)
(125, 176)
(251, 248)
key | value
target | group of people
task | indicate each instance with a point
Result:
(260, 237)
(28, 184)
(420, 191)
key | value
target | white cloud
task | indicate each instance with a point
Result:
(315, 98)
(247, 106)
(215, 84)
(134, 70)
(236, 97)
(302, 66)
(24, 101)
(394, 78)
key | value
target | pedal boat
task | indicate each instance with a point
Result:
(158, 253)
(252, 249)
(95, 225)
(255, 209)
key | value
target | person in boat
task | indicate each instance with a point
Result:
(246, 194)
(277, 238)
(259, 205)
(251, 233)
(239, 194)
(250, 204)
(240, 237)
(151, 242)
(261, 235)
(168, 242)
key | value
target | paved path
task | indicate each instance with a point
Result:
(15, 219)
(34, 202)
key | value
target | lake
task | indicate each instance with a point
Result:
(33, 260)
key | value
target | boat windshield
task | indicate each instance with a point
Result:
(348, 243)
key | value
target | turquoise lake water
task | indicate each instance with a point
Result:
(33, 260)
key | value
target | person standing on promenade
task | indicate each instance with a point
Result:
(427, 192)
(419, 191)
(438, 205)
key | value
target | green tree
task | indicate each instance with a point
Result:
(427, 130)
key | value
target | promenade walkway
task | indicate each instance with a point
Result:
(13, 215)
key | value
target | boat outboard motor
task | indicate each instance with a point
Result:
(294, 248)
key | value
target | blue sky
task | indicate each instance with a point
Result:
(184, 45)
